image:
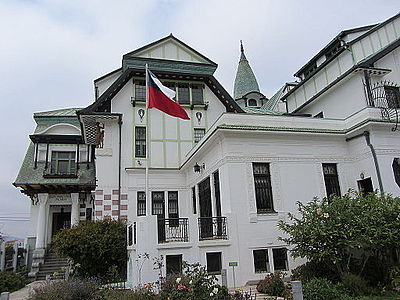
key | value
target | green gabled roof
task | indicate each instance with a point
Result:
(245, 80)
(28, 175)
(65, 112)
(261, 111)
(271, 103)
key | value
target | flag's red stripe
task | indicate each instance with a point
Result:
(160, 101)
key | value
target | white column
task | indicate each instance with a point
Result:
(41, 221)
(74, 209)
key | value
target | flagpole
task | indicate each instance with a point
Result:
(148, 202)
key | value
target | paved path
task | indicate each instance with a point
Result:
(23, 293)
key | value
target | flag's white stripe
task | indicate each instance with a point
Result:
(170, 93)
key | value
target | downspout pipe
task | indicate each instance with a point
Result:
(119, 165)
(366, 134)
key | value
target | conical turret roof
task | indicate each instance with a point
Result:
(245, 80)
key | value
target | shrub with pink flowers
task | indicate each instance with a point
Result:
(193, 283)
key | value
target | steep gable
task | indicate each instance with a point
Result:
(170, 48)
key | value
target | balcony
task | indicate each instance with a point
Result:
(386, 96)
(212, 228)
(173, 230)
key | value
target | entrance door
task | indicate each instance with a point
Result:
(61, 220)
(206, 225)
(365, 186)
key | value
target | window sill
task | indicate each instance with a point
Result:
(272, 216)
(262, 272)
(267, 213)
(193, 106)
(214, 273)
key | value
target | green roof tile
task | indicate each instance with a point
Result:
(65, 112)
(245, 80)
(29, 175)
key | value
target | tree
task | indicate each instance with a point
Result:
(346, 231)
(96, 247)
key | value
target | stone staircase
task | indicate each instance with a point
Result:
(53, 266)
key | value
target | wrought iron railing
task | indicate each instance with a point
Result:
(173, 230)
(386, 96)
(212, 228)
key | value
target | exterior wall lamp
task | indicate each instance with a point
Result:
(197, 168)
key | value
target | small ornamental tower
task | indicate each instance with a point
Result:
(246, 91)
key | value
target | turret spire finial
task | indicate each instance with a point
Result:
(242, 56)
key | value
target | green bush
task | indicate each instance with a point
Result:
(356, 285)
(323, 289)
(394, 278)
(10, 282)
(97, 248)
(272, 285)
(316, 269)
(65, 290)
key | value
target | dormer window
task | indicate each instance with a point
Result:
(310, 69)
(252, 102)
(63, 162)
(333, 50)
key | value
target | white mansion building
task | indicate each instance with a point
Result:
(219, 183)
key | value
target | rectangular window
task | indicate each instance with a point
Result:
(214, 264)
(89, 213)
(173, 264)
(183, 93)
(280, 259)
(62, 162)
(141, 204)
(261, 262)
(263, 188)
(158, 203)
(217, 193)
(331, 179)
(140, 141)
(173, 211)
(197, 94)
(140, 90)
(309, 70)
(194, 200)
(198, 134)
(130, 235)
(392, 95)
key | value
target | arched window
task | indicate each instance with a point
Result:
(252, 102)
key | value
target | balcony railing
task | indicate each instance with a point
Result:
(386, 96)
(212, 228)
(173, 230)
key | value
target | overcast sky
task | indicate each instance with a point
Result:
(51, 51)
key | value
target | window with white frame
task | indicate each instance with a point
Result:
(198, 134)
(263, 188)
(63, 162)
(141, 204)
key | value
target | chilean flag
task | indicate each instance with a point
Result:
(160, 97)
